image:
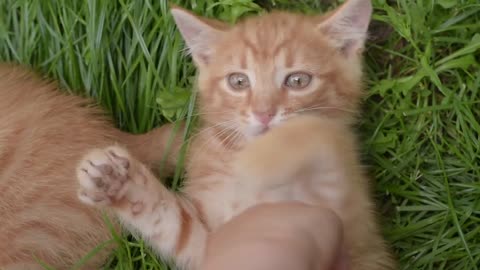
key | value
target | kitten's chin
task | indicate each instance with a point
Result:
(253, 132)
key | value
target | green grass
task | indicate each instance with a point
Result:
(420, 127)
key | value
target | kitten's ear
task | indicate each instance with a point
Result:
(348, 25)
(199, 33)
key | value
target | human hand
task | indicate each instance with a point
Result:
(278, 236)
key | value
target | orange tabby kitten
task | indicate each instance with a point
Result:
(261, 74)
(43, 134)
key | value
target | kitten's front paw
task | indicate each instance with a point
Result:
(103, 175)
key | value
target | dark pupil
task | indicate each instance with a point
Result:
(240, 82)
(297, 81)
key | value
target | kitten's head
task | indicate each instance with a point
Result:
(266, 69)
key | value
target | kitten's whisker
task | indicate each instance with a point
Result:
(230, 138)
(215, 136)
(185, 51)
(203, 130)
(233, 132)
(213, 112)
(235, 139)
(322, 108)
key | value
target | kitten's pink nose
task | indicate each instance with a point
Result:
(264, 117)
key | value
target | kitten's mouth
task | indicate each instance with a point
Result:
(263, 130)
(257, 131)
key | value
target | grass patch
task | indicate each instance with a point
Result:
(420, 125)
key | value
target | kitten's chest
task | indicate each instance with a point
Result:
(221, 196)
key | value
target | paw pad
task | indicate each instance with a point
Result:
(103, 175)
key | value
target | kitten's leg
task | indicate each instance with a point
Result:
(111, 177)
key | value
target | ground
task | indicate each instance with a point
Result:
(420, 125)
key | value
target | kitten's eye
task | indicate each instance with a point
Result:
(298, 80)
(238, 81)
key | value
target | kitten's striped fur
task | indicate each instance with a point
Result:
(311, 159)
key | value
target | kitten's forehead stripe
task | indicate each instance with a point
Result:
(283, 52)
(249, 57)
(269, 37)
(251, 46)
(243, 61)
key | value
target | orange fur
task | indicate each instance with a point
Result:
(314, 160)
(261, 140)
(43, 134)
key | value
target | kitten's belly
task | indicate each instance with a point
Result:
(222, 199)
(293, 191)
